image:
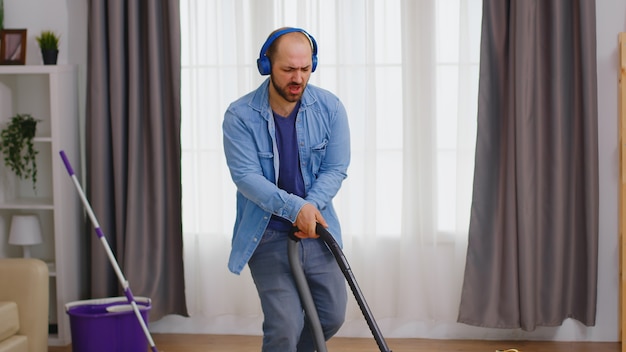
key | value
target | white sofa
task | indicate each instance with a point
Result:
(23, 305)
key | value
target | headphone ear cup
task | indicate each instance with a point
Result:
(314, 63)
(264, 65)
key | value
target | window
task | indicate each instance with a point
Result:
(407, 72)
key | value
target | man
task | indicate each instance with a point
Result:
(287, 145)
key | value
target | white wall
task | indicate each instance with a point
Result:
(38, 15)
(611, 19)
(69, 18)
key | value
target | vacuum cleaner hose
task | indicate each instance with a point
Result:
(305, 294)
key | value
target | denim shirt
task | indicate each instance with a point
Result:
(251, 154)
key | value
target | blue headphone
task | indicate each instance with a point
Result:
(263, 62)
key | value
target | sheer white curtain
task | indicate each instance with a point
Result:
(407, 73)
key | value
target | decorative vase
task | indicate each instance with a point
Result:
(49, 56)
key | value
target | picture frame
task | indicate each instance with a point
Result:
(13, 47)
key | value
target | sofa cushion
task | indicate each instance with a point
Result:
(17, 343)
(9, 320)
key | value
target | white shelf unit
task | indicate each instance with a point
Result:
(49, 94)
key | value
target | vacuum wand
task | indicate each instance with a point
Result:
(354, 286)
(305, 294)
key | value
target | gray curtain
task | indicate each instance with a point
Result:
(533, 236)
(133, 151)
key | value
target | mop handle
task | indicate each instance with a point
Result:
(127, 292)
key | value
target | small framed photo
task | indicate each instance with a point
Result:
(13, 47)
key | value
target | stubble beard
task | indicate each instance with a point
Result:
(285, 94)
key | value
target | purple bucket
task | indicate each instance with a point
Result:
(107, 325)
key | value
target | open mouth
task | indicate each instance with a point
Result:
(295, 89)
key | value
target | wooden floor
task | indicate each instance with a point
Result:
(232, 343)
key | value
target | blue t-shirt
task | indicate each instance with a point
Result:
(289, 175)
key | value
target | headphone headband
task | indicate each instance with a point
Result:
(263, 62)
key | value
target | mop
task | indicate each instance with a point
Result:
(116, 267)
(305, 293)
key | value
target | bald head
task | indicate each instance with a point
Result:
(278, 39)
(288, 40)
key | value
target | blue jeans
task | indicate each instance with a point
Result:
(284, 327)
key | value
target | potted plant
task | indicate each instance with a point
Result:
(49, 44)
(16, 143)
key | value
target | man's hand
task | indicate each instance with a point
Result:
(307, 220)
